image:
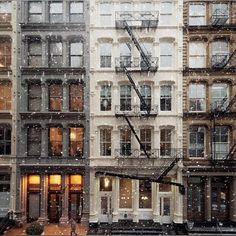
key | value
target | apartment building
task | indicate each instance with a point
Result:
(209, 126)
(136, 111)
(52, 111)
(7, 107)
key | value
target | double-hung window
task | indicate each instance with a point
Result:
(105, 98)
(76, 12)
(197, 97)
(197, 54)
(34, 141)
(220, 53)
(76, 99)
(105, 55)
(125, 55)
(197, 14)
(35, 12)
(166, 13)
(220, 95)
(76, 54)
(55, 97)
(35, 52)
(146, 93)
(196, 141)
(5, 96)
(105, 142)
(145, 194)
(34, 97)
(146, 139)
(125, 97)
(5, 11)
(166, 54)
(76, 141)
(166, 142)
(105, 14)
(125, 142)
(5, 140)
(5, 53)
(220, 13)
(55, 141)
(165, 98)
(55, 54)
(55, 12)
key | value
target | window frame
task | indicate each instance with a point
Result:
(105, 142)
(74, 54)
(54, 97)
(125, 98)
(78, 97)
(166, 143)
(197, 62)
(105, 97)
(55, 14)
(58, 142)
(79, 143)
(107, 21)
(197, 146)
(35, 13)
(33, 140)
(6, 55)
(52, 56)
(38, 42)
(146, 93)
(194, 16)
(125, 142)
(6, 143)
(197, 98)
(167, 98)
(34, 97)
(4, 98)
(105, 55)
(80, 15)
(6, 17)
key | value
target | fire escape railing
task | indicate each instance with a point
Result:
(219, 17)
(221, 60)
(218, 110)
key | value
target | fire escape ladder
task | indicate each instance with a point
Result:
(226, 62)
(231, 153)
(143, 103)
(137, 45)
(231, 103)
(137, 137)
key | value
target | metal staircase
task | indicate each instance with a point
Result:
(222, 60)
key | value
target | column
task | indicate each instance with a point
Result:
(94, 184)
(64, 199)
(43, 200)
(44, 141)
(115, 199)
(208, 199)
(65, 107)
(232, 205)
(136, 200)
(44, 52)
(45, 101)
(154, 202)
(65, 141)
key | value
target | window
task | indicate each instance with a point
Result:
(76, 98)
(55, 54)
(166, 13)
(166, 142)
(125, 142)
(55, 97)
(34, 141)
(55, 12)
(105, 14)
(105, 184)
(125, 98)
(34, 97)
(145, 194)
(165, 98)
(105, 98)
(220, 142)
(76, 54)
(33, 183)
(55, 141)
(76, 141)
(146, 139)
(220, 13)
(147, 96)
(5, 140)
(197, 55)
(125, 11)
(5, 96)
(197, 97)
(125, 193)
(35, 12)
(220, 52)
(220, 95)
(76, 12)
(5, 53)
(35, 52)
(197, 14)
(147, 49)
(105, 55)
(105, 142)
(166, 51)
(196, 141)
(5, 12)
(125, 55)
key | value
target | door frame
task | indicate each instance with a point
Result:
(60, 195)
(164, 219)
(105, 218)
(28, 206)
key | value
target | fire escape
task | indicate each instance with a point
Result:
(220, 110)
(129, 21)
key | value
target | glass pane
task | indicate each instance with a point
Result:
(125, 193)
(56, 7)
(76, 7)
(145, 194)
(35, 7)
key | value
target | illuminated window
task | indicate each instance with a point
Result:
(55, 141)
(5, 53)
(125, 193)
(76, 98)
(5, 96)
(76, 141)
(34, 141)
(145, 194)
(105, 184)
(34, 182)
(56, 97)
(54, 182)
(75, 182)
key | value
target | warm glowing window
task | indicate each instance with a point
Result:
(5, 96)
(55, 182)
(34, 141)
(56, 97)
(125, 193)
(145, 194)
(76, 98)
(75, 182)
(55, 139)
(5, 53)
(76, 141)
(34, 182)
(105, 184)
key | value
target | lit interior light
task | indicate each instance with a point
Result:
(76, 179)
(55, 179)
(106, 182)
(34, 179)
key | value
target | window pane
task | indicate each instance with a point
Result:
(5, 96)
(197, 14)
(34, 97)
(76, 141)
(5, 140)
(197, 97)
(105, 142)
(105, 98)
(76, 98)
(145, 194)
(55, 97)
(126, 193)
(105, 184)
(34, 141)
(55, 141)
(56, 12)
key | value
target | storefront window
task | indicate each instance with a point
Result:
(55, 182)
(145, 194)
(105, 184)
(125, 193)
(34, 182)
(75, 182)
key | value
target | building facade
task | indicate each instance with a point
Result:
(135, 84)
(209, 125)
(52, 111)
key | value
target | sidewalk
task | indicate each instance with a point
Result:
(49, 229)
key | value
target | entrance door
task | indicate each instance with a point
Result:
(165, 209)
(220, 199)
(105, 203)
(33, 206)
(75, 206)
(54, 207)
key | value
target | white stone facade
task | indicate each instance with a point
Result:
(169, 73)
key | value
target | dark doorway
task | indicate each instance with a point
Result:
(75, 206)
(33, 206)
(54, 207)
(220, 199)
